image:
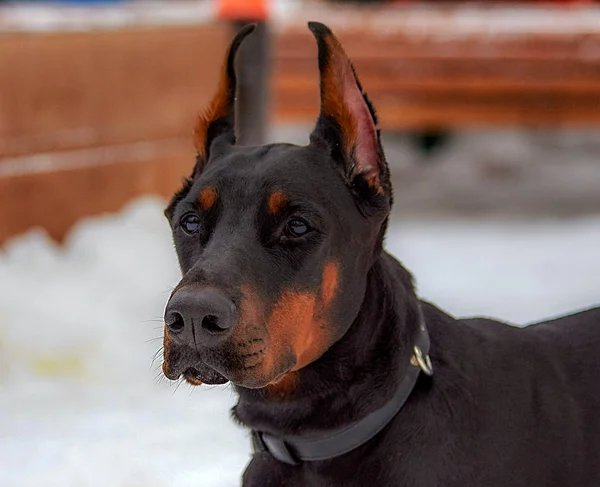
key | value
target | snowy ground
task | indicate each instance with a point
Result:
(79, 402)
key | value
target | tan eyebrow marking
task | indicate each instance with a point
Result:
(276, 202)
(207, 198)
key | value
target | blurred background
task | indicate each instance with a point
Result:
(491, 117)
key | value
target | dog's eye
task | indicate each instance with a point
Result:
(190, 223)
(297, 227)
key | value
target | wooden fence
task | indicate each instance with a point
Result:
(451, 66)
(90, 120)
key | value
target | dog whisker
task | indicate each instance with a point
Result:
(156, 356)
(177, 385)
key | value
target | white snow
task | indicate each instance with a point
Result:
(79, 402)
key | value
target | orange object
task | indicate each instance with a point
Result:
(242, 9)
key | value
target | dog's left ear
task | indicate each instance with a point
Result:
(217, 122)
(215, 126)
(347, 124)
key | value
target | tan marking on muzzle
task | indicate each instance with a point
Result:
(293, 322)
(299, 319)
(283, 388)
(193, 381)
(298, 325)
(329, 283)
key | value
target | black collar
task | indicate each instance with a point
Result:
(296, 449)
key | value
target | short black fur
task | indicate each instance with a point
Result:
(505, 407)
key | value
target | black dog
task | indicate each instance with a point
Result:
(288, 294)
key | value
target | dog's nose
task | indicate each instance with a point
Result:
(199, 316)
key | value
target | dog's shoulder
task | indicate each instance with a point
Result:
(468, 332)
(584, 321)
(564, 347)
(573, 342)
(583, 325)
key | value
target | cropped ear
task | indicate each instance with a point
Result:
(347, 124)
(217, 121)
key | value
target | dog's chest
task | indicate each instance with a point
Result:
(265, 471)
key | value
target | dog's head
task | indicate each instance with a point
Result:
(275, 242)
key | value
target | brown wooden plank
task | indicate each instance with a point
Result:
(574, 71)
(80, 89)
(57, 198)
(305, 84)
(390, 46)
(424, 113)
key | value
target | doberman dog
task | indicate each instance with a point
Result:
(345, 377)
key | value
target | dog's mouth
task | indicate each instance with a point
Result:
(203, 374)
(198, 374)
(249, 369)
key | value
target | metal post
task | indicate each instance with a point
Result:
(252, 69)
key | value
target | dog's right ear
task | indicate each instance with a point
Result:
(347, 124)
(217, 122)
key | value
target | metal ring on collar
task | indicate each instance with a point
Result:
(423, 361)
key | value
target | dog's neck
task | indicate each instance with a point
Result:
(372, 356)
